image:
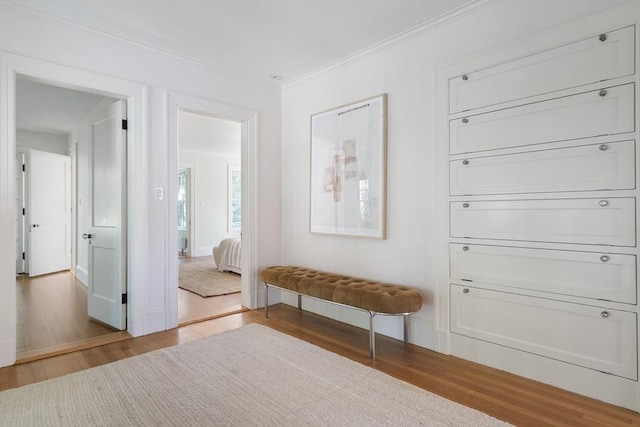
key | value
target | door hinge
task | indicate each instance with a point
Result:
(24, 168)
(124, 124)
(124, 298)
(23, 212)
(24, 256)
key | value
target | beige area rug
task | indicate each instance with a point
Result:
(204, 279)
(252, 376)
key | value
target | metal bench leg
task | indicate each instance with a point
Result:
(266, 300)
(406, 328)
(299, 301)
(372, 337)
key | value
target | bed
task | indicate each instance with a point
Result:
(227, 255)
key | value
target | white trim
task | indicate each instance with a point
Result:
(177, 102)
(63, 21)
(136, 95)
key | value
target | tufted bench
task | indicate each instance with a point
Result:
(375, 298)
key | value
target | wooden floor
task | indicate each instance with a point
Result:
(508, 397)
(52, 314)
(194, 308)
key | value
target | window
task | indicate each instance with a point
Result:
(183, 199)
(234, 198)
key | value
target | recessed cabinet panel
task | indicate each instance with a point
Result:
(593, 337)
(576, 64)
(603, 276)
(606, 221)
(593, 167)
(602, 112)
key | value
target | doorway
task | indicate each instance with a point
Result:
(51, 297)
(208, 148)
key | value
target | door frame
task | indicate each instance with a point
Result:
(177, 102)
(12, 66)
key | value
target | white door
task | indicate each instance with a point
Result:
(48, 212)
(106, 234)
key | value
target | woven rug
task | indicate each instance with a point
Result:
(252, 376)
(204, 279)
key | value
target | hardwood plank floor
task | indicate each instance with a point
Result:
(193, 308)
(52, 311)
(52, 314)
(505, 396)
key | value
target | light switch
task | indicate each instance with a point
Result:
(158, 193)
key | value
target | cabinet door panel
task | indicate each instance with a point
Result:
(576, 64)
(605, 112)
(581, 221)
(593, 337)
(591, 167)
(595, 275)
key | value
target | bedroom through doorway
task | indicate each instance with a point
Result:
(209, 206)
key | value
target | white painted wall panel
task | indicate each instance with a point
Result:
(547, 71)
(594, 337)
(604, 276)
(609, 166)
(607, 221)
(601, 112)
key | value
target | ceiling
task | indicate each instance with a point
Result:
(258, 39)
(51, 109)
(203, 133)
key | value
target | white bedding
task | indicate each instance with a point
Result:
(230, 260)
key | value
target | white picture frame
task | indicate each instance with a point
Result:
(348, 169)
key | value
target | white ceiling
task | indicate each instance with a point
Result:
(51, 109)
(253, 38)
(203, 133)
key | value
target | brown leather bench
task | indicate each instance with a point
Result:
(375, 298)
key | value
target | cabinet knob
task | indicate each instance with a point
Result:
(465, 248)
(604, 258)
(465, 120)
(466, 291)
(602, 92)
(604, 314)
(466, 77)
(465, 205)
(602, 37)
(603, 147)
(465, 162)
(603, 202)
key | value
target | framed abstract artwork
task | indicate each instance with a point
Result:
(348, 169)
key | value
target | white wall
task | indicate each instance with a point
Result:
(49, 142)
(36, 36)
(210, 197)
(407, 71)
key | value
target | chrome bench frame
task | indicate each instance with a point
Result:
(372, 314)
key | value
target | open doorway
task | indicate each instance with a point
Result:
(209, 217)
(53, 127)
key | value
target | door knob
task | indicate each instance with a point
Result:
(87, 236)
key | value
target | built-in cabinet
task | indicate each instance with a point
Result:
(542, 203)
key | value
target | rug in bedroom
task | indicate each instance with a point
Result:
(203, 278)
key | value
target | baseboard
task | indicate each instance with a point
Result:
(203, 252)
(82, 275)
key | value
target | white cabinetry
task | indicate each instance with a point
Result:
(543, 193)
